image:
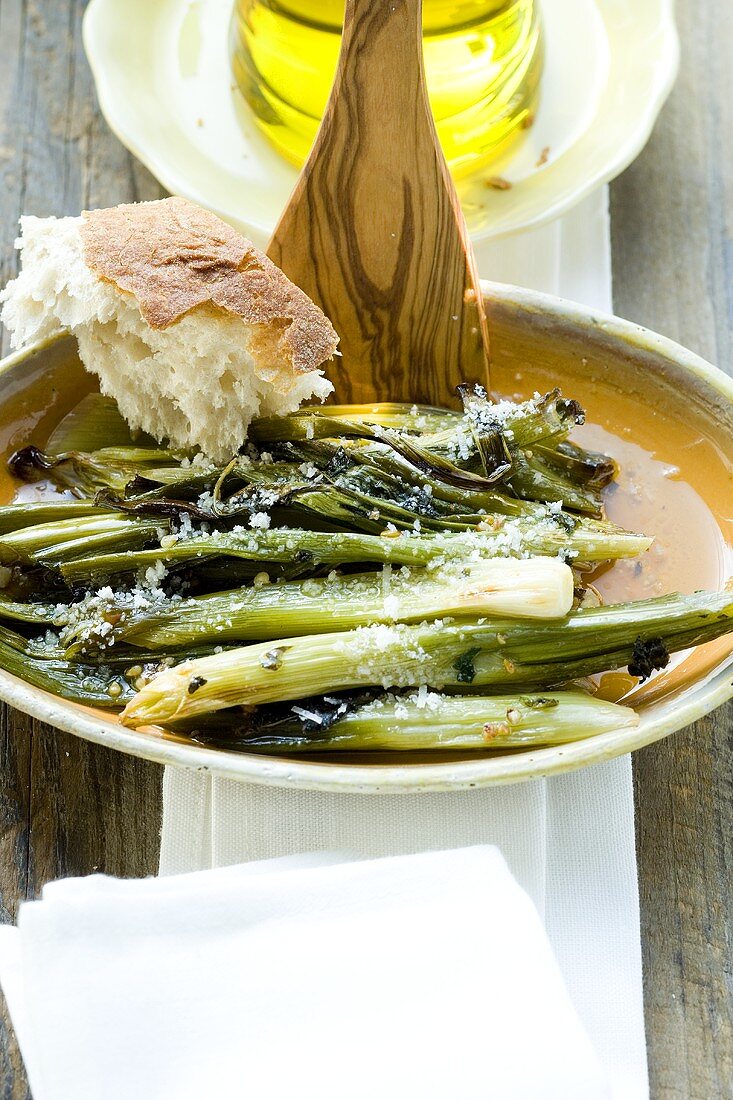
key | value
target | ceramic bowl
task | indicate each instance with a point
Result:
(616, 369)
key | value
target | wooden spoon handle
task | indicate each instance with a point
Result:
(374, 230)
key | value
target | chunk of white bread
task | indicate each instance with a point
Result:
(190, 328)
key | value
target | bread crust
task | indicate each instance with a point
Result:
(173, 256)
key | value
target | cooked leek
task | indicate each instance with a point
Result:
(360, 548)
(110, 682)
(590, 541)
(14, 517)
(537, 588)
(50, 543)
(508, 655)
(422, 721)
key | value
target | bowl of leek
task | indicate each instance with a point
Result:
(385, 597)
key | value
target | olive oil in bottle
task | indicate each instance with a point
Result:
(483, 61)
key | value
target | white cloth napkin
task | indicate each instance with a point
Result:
(424, 976)
(569, 841)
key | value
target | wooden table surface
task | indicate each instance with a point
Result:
(70, 808)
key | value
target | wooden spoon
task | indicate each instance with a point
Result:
(374, 231)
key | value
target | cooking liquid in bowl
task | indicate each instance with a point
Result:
(675, 482)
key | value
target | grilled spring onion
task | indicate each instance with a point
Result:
(14, 517)
(444, 430)
(422, 721)
(310, 422)
(590, 541)
(107, 683)
(20, 611)
(363, 488)
(367, 490)
(390, 469)
(538, 588)
(46, 667)
(472, 453)
(85, 472)
(62, 540)
(499, 655)
(486, 455)
(458, 499)
(369, 493)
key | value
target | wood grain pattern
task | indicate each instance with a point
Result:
(673, 271)
(66, 807)
(673, 267)
(374, 231)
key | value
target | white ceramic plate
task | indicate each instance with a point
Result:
(586, 352)
(165, 87)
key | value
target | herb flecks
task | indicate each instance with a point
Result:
(648, 656)
(464, 666)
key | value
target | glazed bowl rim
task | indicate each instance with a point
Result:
(697, 701)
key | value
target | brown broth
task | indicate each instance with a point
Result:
(675, 483)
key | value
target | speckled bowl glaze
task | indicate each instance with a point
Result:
(574, 345)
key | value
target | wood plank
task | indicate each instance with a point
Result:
(66, 807)
(15, 812)
(673, 262)
(95, 810)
